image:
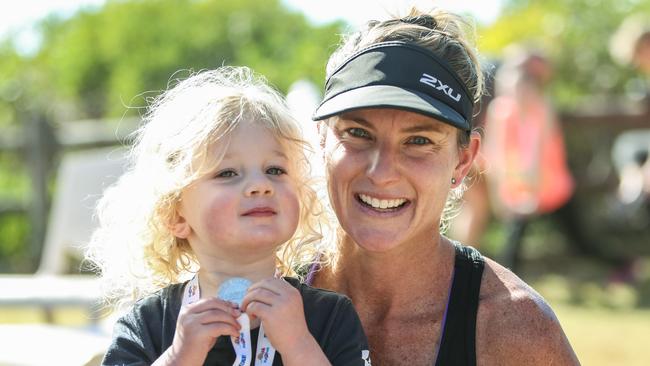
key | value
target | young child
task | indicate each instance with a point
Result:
(217, 192)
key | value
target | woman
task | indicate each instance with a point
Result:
(397, 137)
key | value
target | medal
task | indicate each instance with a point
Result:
(233, 290)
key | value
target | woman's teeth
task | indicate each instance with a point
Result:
(382, 204)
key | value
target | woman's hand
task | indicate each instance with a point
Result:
(198, 326)
(279, 306)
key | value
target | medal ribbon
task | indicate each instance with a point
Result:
(265, 353)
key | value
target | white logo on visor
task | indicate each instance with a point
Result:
(439, 85)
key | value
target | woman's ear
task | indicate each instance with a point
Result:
(466, 157)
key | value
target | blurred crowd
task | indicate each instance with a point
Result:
(523, 173)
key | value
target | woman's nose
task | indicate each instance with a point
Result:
(382, 169)
(259, 185)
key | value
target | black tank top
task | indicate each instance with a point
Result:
(458, 341)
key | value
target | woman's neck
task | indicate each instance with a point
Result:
(397, 279)
(214, 273)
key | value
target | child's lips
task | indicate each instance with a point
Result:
(260, 212)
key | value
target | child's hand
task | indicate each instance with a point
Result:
(279, 307)
(198, 326)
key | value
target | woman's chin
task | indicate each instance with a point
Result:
(376, 240)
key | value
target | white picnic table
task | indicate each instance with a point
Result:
(81, 178)
(51, 291)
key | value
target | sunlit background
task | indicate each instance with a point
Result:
(76, 75)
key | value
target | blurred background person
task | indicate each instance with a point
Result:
(630, 46)
(528, 175)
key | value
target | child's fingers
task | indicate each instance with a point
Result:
(277, 285)
(211, 304)
(209, 311)
(217, 316)
(259, 310)
(259, 294)
(201, 327)
(208, 316)
(218, 329)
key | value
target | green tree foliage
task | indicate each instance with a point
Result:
(100, 61)
(575, 34)
(105, 62)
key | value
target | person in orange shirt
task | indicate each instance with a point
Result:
(527, 169)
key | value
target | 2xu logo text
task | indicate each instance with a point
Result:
(439, 85)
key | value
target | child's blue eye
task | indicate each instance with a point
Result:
(419, 140)
(358, 132)
(228, 173)
(275, 171)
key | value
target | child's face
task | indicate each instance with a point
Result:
(247, 205)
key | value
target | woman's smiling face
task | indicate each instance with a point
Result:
(389, 173)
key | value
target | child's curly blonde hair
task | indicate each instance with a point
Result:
(133, 248)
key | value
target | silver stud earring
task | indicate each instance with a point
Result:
(453, 180)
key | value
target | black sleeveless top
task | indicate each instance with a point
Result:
(458, 341)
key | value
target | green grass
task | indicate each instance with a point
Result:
(607, 322)
(602, 336)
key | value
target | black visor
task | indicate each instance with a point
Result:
(397, 75)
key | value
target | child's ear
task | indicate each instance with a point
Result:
(179, 227)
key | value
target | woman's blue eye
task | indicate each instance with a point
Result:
(358, 132)
(275, 171)
(228, 173)
(419, 140)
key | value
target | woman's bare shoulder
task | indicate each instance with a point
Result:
(515, 325)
